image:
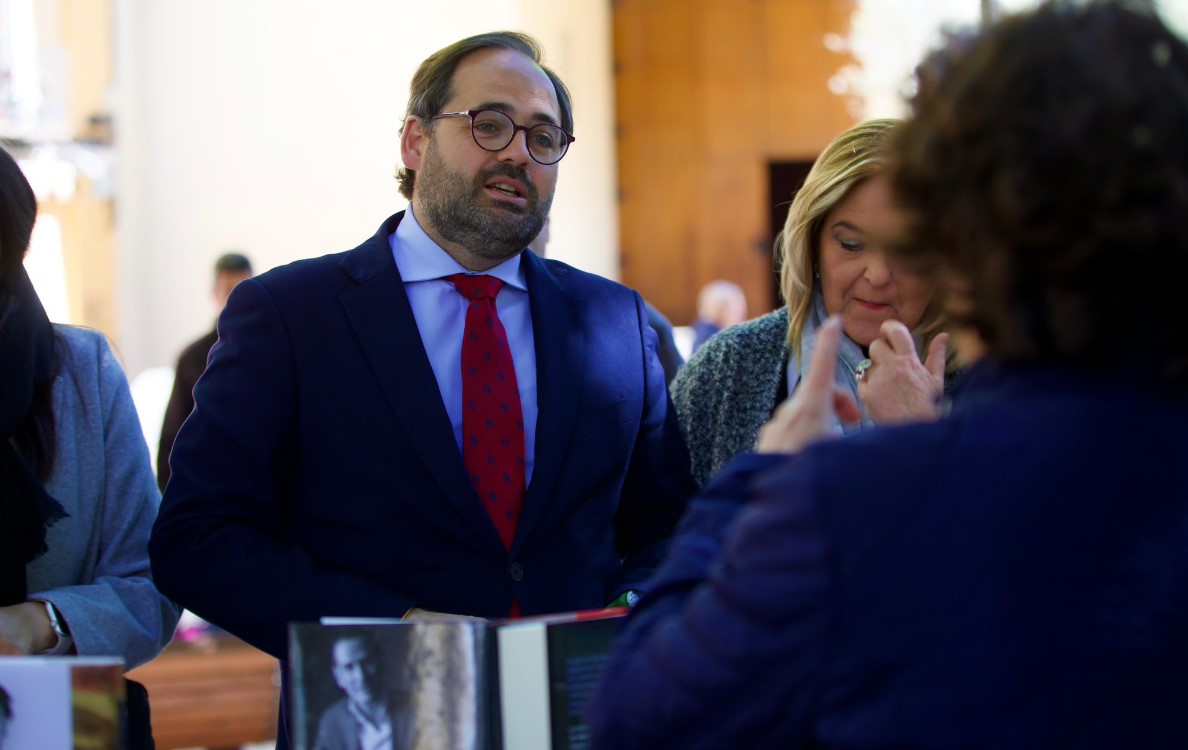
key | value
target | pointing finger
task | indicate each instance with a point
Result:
(819, 381)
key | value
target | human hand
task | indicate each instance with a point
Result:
(808, 416)
(375, 737)
(897, 388)
(374, 732)
(25, 629)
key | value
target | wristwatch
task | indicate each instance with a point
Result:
(626, 599)
(61, 629)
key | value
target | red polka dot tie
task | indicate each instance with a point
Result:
(492, 419)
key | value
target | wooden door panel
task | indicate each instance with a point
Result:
(708, 93)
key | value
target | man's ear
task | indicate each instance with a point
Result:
(413, 142)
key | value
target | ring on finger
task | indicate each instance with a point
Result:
(860, 370)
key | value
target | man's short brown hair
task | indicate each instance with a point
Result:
(432, 85)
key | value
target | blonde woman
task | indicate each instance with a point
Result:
(833, 259)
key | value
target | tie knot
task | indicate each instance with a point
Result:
(475, 287)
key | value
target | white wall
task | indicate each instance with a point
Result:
(272, 126)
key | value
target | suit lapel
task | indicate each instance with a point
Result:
(560, 361)
(382, 318)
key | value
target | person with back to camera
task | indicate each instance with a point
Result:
(833, 254)
(77, 493)
(229, 270)
(1014, 575)
(434, 421)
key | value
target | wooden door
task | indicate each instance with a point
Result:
(708, 94)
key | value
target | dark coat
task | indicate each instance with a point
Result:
(1013, 576)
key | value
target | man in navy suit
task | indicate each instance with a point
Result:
(322, 471)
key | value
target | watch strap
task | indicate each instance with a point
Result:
(61, 630)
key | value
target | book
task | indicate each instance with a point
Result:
(450, 684)
(549, 669)
(61, 703)
(425, 680)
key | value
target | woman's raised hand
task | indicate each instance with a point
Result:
(808, 416)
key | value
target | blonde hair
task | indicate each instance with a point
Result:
(854, 157)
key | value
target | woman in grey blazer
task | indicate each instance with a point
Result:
(833, 261)
(77, 493)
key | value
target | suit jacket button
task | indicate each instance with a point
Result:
(515, 571)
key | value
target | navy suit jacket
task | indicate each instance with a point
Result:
(318, 474)
(1013, 576)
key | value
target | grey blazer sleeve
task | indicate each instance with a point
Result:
(97, 569)
(727, 391)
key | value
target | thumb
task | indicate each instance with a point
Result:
(935, 364)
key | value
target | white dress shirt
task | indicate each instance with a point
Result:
(440, 313)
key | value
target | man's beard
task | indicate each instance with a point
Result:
(461, 212)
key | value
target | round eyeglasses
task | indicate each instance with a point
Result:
(493, 131)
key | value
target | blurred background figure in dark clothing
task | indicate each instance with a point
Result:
(229, 270)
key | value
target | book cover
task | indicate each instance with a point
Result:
(61, 703)
(549, 668)
(448, 685)
(424, 684)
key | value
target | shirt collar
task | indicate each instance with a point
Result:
(419, 258)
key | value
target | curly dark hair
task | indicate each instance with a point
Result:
(432, 84)
(1046, 168)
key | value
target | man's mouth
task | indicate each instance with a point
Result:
(508, 186)
(504, 188)
(508, 192)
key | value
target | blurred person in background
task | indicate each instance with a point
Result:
(229, 270)
(720, 304)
